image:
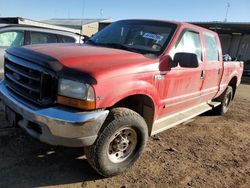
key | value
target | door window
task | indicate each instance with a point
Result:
(212, 52)
(189, 43)
(66, 39)
(11, 39)
(40, 38)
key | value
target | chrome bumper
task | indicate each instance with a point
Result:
(57, 125)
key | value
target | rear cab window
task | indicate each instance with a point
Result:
(211, 47)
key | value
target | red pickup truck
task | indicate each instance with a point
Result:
(133, 79)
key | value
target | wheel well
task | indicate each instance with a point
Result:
(233, 84)
(141, 104)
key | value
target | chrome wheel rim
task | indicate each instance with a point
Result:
(228, 100)
(122, 144)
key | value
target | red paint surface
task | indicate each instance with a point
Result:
(120, 74)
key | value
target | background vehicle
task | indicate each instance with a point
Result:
(133, 79)
(246, 71)
(14, 35)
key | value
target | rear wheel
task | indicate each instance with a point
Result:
(119, 144)
(225, 99)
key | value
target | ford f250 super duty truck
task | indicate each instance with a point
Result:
(133, 79)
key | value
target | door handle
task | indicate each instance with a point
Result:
(218, 71)
(202, 74)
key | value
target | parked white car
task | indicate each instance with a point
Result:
(14, 35)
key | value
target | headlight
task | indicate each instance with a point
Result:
(76, 94)
(76, 90)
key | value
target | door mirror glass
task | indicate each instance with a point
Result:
(186, 60)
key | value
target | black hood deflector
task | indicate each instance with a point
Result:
(50, 63)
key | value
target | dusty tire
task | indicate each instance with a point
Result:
(225, 99)
(119, 144)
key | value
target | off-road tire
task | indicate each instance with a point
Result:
(118, 119)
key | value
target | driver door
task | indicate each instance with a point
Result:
(181, 87)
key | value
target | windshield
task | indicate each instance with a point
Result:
(146, 37)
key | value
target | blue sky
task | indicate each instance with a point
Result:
(181, 10)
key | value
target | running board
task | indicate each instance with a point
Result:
(180, 117)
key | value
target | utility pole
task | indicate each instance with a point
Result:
(83, 9)
(101, 13)
(228, 6)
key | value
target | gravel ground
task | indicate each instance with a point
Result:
(210, 151)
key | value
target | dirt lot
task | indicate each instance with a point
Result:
(210, 151)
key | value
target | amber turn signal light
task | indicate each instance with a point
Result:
(76, 103)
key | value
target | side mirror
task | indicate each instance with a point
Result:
(186, 60)
(85, 38)
(165, 63)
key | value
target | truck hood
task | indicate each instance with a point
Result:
(95, 61)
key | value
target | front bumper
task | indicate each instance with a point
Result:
(55, 125)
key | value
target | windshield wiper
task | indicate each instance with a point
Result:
(119, 46)
(114, 45)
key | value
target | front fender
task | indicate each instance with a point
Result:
(109, 95)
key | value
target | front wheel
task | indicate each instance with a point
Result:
(119, 144)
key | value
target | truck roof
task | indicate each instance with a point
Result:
(183, 24)
(194, 27)
(3, 25)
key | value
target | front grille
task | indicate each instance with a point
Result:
(30, 81)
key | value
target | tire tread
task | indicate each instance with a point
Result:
(116, 115)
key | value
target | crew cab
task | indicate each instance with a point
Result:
(133, 79)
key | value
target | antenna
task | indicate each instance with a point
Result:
(101, 13)
(228, 6)
(83, 9)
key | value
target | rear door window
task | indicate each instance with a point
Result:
(11, 39)
(212, 51)
(41, 38)
(66, 39)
